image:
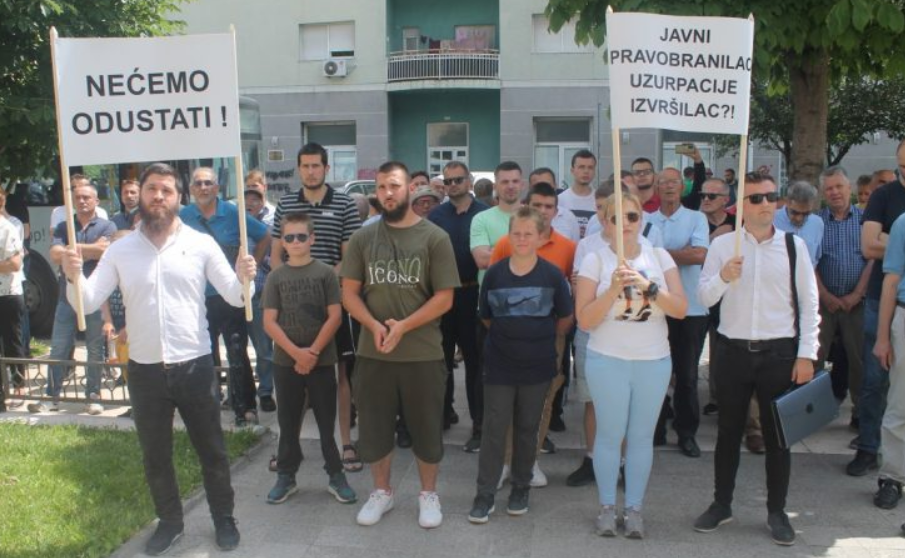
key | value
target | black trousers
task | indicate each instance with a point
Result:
(458, 328)
(12, 308)
(686, 342)
(229, 321)
(742, 372)
(319, 387)
(157, 391)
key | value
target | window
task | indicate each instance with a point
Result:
(564, 41)
(326, 40)
(338, 138)
(411, 38)
(556, 140)
(446, 141)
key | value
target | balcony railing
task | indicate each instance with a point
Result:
(443, 64)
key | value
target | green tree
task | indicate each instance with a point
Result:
(28, 139)
(857, 109)
(803, 46)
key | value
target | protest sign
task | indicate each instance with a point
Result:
(147, 99)
(681, 73)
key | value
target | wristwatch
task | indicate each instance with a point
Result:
(652, 291)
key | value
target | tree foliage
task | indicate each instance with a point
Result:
(800, 48)
(858, 108)
(28, 140)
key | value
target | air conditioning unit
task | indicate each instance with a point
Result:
(335, 67)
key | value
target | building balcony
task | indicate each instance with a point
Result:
(444, 68)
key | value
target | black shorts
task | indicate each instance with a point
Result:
(347, 338)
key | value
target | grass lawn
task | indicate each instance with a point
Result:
(68, 491)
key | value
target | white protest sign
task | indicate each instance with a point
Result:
(147, 99)
(682, 73)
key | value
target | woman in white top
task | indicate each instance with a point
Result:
(624, 307)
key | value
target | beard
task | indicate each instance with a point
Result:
(397, 214)
(157, 219)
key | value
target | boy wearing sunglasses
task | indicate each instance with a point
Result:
(301, 314)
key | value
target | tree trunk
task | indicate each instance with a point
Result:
(809, 79)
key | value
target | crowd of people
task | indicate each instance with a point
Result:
(363, 307)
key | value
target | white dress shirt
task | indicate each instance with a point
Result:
(758, 306)
(163, 292)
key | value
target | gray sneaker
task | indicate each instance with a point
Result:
(340, 489)
(634, 524)
(606, 521)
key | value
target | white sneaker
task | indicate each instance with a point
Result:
(504, 476)
(538, 478)
(378, 504)
(430, 515)
(94, 406)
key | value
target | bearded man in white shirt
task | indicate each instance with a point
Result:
(768, 346)
(162, 270)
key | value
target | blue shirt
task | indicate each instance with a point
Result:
(811, 232)
(841, 262)
(223, 225)
(457, 226)
(685, 227)
(93, 231)
(894, 259)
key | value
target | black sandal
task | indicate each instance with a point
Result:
(351, 464)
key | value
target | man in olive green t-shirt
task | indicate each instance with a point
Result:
(398, 277)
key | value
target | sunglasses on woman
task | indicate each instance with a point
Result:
(631, 217)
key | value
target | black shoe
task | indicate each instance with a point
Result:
(518, 501)
(781, 529)
(226, 533)
(164, 538)
(710, 409)
(689, 447)
(452, 417)
(854, 424)
(710, 520)
(889, 494)
(481, 509)
(582, 476)
(557, 424)
(473, 445)
(863, 463)
(268, 405)
(403, 438)
(548, 446)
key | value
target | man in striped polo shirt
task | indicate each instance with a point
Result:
(335, 217)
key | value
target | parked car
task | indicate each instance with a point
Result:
(365, 187)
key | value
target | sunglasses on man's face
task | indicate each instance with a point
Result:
(454, 180)
(796, 213)
(712, 197)
(290, 238)
(200, 183)
(631, 217)
(771, 197)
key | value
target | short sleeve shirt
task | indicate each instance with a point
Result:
(400, 269)
(520, 348)
(10, 245)
(335, 218)
(884, 207)
(301, 295)
(558, 250)
(93, 231)
(635, 328)
(811, 232)
(685, 227)
(487, 228)
(583, 207)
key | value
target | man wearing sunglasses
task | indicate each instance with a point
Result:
(220, 220)
(686, 237)
(796, 218)
(645, 176)
(761, 346)
(458, 326)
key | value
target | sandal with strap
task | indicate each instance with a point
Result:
(351, 464)
(272, 465)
